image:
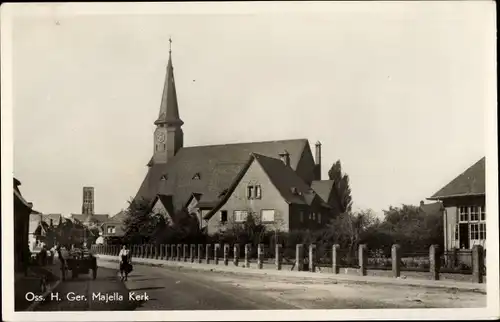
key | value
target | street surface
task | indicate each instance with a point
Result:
(176, 288)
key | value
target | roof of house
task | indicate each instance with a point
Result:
(18, 196)
(286, 181)
(470, 183)
(291, 187)
(56, 218)
(94, 217)
(323, 188)
(216, 165)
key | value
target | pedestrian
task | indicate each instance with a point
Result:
(125, 264)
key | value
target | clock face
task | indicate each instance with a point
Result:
(160, 136)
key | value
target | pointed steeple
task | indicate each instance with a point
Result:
(169, 111)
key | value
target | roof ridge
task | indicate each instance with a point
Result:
(242, 143)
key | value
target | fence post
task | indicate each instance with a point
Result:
(166, 252)
(216, 254)
(226, 254)
(208, 249)
(396, 260)
(299, 257)
(172, 252)
(362, 259)
(155, 251)
(236, 254)
(191, 254)
(179, 252)
(312, 258)
(279, 258)
(477, 263)
(260, 256)
(335, 258)
(198, 254)
(434, 262)
(162, 251)
(184, 252)
(247, 255)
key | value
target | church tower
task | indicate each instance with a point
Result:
(88, 201)
(168, 136)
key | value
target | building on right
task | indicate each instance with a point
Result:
(464, 209)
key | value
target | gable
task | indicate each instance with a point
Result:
(306, 166)
(209, 170)
(160, 207)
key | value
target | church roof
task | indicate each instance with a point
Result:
(469, 183)
(217, 166)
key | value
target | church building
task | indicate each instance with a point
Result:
(277, 182)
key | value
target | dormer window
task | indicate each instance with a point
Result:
(196, 176)
(164, 177)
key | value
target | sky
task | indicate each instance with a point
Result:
(396, 91)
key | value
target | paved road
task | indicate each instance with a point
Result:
(176, 289)
(88, 291)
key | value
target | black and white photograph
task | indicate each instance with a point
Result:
(249, 161)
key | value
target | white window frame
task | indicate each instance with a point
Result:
(482, 213)
(266, 220)
(250, 192)
(474, 213)
(319, 218)
(473, 232)
(240, 215)
(463, 211)
(482, 231)
(258, 192)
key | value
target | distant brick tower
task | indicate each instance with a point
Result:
(88, 201)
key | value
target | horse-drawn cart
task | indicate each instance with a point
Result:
(80, 261)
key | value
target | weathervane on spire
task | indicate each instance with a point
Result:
(170, 45)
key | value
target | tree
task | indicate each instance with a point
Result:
(138, 225)
(341, 186)
(350, 229)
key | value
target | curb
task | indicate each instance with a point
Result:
(479, 288)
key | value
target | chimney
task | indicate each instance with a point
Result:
(318, 161)
(285, 157)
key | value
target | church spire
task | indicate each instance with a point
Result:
(169, 111)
